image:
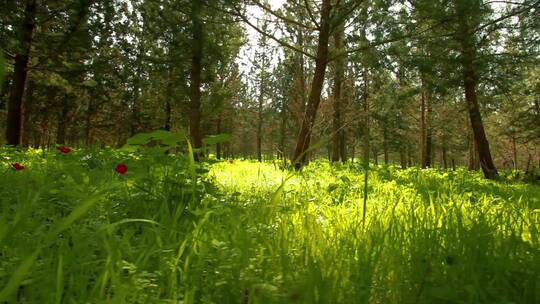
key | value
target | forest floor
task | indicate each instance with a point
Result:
(75, 227)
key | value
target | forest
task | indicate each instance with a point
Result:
(269, 151)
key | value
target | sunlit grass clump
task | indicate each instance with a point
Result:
(74, 230)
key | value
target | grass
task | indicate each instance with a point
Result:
(74, 231)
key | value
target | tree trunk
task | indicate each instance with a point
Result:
(168, 100)
(366, 121)
(282, 131)
(218, 131)
(27, 125)
(444, 153)
(514, 153)
(138, 85)
(304, 136)
(403, 159)
(300, 83)
(337, 124)
(62, 122)
(470, 80)
(195, 81)
(426, 124)
(260, 114)
(89, 116)
(385, 146)
(15, 103)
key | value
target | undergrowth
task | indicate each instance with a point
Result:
(72, 230)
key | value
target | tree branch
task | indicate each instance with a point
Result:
(279, 16)
(268, 35)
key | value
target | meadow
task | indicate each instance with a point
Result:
(75, 229)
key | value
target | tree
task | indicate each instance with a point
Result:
(15, 105)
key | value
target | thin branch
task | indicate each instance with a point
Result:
(281, 17)
(510, 15)
(310, 14)
(279, 41)
(347, 13)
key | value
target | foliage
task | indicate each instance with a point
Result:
(172, 230)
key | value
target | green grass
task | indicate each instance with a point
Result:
(74, 231)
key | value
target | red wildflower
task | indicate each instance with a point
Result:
(17, 166)
(64, 149)
(121, 168)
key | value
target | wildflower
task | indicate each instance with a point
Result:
(17, 166)
(121, 168)
(64, 149)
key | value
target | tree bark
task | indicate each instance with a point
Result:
(514, 152)
(89, 117)
(337, 123)
(20, 72)
(403, 159)
(168, 100)
(260, 105)
(218, 131)
(385, 148)
(62, 122)
(470, 80)
(300, 83)
(27, 126)
(304, 136)
(195, 81)
(444, 153)
(426, 124)
(282, 131)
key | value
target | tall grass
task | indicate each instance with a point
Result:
(244, 232)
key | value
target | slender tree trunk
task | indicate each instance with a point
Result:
(168, 100)
(282, 132)
(88, 127)
(300, 83)
(514, 153)
(426, 124)
(385, 146)
(304, 137)
(337, 123)
(403, 159)
(260, 117)
(218, 130)
(195, 81)
(423, 127)
(429, 131)
(62, 121)
(366, 121)
(135, 120)
(27, 125)
(15, 103)
(444, 152)
(470, 80)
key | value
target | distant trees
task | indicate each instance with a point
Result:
(422, 83)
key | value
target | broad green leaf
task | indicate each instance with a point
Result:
(140, 139)
(216, 139)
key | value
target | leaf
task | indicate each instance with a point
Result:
(332, 187)
(345, 179)
(140, 139)
(168, 138)
(216, 139)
